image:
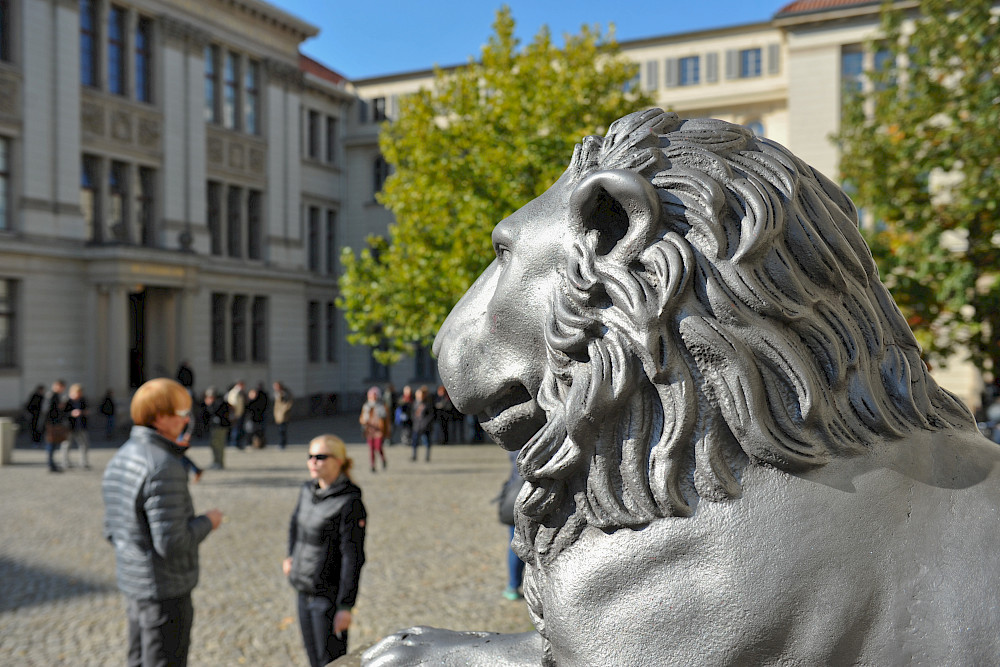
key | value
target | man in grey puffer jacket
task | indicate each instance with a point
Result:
(150, 520)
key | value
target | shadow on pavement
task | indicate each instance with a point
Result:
(25, 585)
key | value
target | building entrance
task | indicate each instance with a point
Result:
(137, 338)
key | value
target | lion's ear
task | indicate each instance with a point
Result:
(621, 207)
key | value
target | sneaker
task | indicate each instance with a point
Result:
(512, 594)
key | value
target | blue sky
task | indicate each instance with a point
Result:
(367, 38)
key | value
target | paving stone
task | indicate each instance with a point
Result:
(436, 553)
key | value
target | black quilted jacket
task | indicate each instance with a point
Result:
(150, 519)
(326, 540)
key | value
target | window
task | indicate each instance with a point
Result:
(312, 135)
(8, 323)
(235, 219)
(756, 127)
(219, 328)
(380, 173)
(229, 88)
(331, 139)
(749, 63)
(89, 171)
(4, 30)
(214, 216)
(211, 93)
(89, 50)
(143, 60)
(377, 371)
(378, 109)
(331, 332)
(331, 242)
(362, 112)
(239, 332)
(633, 83)
(884, 60)
(255, 232)
(312, 331)
(145, 198)
(258, 329)
(313, 232)
(852, 59)
(251, 97)
(4, 184)
(117, 222)
(116, 50)
(422, 364)
(689, 74)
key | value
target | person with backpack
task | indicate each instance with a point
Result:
(506, 500)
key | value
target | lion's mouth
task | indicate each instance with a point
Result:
(513, 418)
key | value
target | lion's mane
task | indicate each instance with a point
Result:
(752, 330)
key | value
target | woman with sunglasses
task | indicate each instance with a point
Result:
(326, 546)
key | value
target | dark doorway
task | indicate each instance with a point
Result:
(137, 333)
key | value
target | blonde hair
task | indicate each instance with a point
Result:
(161, 396)
(337, 449)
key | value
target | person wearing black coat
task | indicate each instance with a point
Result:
(423, 422)
(326, 550)
(33, 413)
(150, 521)
(216, 415)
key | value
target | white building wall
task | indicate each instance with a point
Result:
(177, 144)
(39, 136)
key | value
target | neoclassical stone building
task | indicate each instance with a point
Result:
(177, 181)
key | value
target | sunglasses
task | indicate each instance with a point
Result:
(318, 457)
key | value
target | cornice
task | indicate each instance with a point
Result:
(183, 33)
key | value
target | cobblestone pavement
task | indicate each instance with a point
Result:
(436, 553)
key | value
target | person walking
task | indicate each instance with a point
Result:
(281, 411)
(389, 399)
(444, 414)
(256, 413)
(108, 410)
(374, 422)
(76, 413)
(326, 550)
(33, 413)
(507, 500)
(423, 422)
(150, 521)
(403, 416)
(56, 429)
(237, 400)
(217, 418)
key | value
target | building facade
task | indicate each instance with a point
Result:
(177, 181)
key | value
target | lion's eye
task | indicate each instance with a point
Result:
(502, 251)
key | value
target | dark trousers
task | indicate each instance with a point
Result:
(283, 434)
(236, 433)
(159, 632)
(316, 614)
(417, 438)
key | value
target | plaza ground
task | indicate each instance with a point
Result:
(436, 553)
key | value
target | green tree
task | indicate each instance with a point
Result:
(489, 137)
(921, 153)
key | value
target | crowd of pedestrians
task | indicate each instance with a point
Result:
(150, 519)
